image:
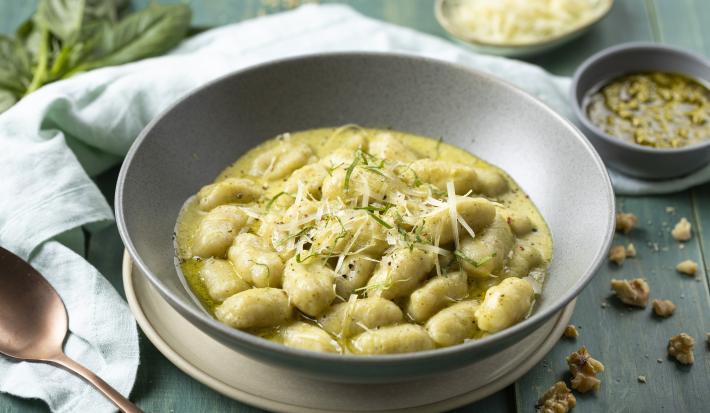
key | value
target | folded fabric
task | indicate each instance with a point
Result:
(55, 139)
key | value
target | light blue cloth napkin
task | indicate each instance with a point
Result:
(56, 138)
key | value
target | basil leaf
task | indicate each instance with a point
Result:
(149, 32)
(102, 10)
(7, 99)
(62, 18)
(29, 36)
(15, 70)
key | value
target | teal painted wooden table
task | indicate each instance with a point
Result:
(631, 343)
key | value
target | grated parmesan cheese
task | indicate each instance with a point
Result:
(519, 22)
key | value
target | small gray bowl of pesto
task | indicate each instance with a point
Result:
(646, 109)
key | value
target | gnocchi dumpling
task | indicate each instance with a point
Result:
(454, 324)
(309, 337)
(402, 338)
(228, 191)
(221, 280)
(349, 231)
(476, 212)
(310, 285)
(487, 253)
(255, 308)
(439, 292)
(525, 257)
(217, 230)
(505, 304)
(310, 177)
(355, 316)
(385, 146)
(255, 261)
(520, 224)
(281, 160)
(438, 173)
(489, 182)
(343, 183)
(399, 273)
(353, 274)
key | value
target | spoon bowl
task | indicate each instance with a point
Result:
(33, 323)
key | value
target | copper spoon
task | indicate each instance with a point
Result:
(33, 324)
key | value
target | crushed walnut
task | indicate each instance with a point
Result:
(617, 254)
(630, 251)
(625, 222)
(682, 230)
(584, 370)
(632, 292)
(557, 399)
(571, 331)
(663, 308)
(642, 379)
(688, 267)
(681, 348)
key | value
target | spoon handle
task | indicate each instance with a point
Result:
(121, 402)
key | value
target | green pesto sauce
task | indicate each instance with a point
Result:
(659, 110)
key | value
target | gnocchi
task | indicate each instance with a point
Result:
(505, 304)
(217, 231)
(355, 316)
(363, 241)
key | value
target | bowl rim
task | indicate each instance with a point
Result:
(462, 36)
(199, 317)
(615, 51)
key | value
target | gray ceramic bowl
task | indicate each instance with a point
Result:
(632, 159)
(190, 143)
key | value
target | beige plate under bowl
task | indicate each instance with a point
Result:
(267, 387)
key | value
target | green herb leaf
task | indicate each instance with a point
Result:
(15, 69)
(299, 259)
(379, 220)
(149, 32)
(62, 18)
(461, 256)
(349, 172)
(277, 196)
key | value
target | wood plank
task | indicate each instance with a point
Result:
(630, 341)
(627, 21)
(701, 204)
(683, 23)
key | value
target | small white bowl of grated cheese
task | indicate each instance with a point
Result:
(518, 27)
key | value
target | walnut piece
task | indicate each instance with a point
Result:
(625, 222)
(633, 292)
(681, 348)
(663, 308)
(617, 254)
(630, 251)
(584, 370)
(557, 399)
(571, 331)
(682, 230)
(688, 267)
